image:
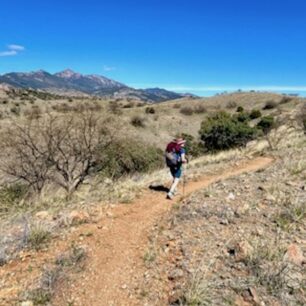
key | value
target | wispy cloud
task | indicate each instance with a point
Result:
(12, 50)
(16, 47)
(109, 68)
(8, 53)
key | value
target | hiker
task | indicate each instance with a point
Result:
(175, 157)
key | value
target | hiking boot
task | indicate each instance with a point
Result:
(170, 195)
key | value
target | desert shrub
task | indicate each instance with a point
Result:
(242, 117)
(150, 110)
(255, 113)
(75, 255)
(39, 296)
(285, 100)
(222, 131)
(193, 147)
(270, 105)
(140, 104)
(70, 100)
(77, 108)
(38, 237)
(177, 105)
(11, 195)
(200, 109)
(304, 124)
(138, 121)
(266, 124)
(301, 117)
(129, 105)
(239, 109)
(33, 113)
(125, 157)
(15, 110)
(115, 108)
(95, 107)
(4, 102)
(231, 104)
(62, 108)
(186, 110)
(45, 287)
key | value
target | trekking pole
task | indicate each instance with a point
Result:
(184, 180)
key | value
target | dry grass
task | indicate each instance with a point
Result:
(38, 236)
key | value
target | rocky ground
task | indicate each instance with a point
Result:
(237, 242)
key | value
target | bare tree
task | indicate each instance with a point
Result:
(23, 155)
(73, 147)
(60, 148)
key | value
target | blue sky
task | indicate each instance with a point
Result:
(195, 46)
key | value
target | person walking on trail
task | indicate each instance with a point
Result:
(175, 158)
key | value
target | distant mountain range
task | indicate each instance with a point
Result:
(73, 83)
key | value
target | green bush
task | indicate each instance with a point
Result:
(150, 110)
(242, 117)
(129, 157)
(270, 105)
(193, 147)
(223, 131)
(255, 113)
(239, 109)
(301, 117)
(266, 124)
(304, 125)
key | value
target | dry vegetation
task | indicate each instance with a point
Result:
(63, 155)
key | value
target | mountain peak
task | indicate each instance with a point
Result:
(40, 72)
(92, 84)
(67, 73)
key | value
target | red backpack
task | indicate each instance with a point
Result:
(172, 154)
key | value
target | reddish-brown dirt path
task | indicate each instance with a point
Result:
(115, 264)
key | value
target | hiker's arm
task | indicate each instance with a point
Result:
(184, 158)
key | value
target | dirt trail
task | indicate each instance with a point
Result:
(116, 248)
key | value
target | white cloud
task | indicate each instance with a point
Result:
(12, 50)
(108, 68)
(8, 53)
(16, 47)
